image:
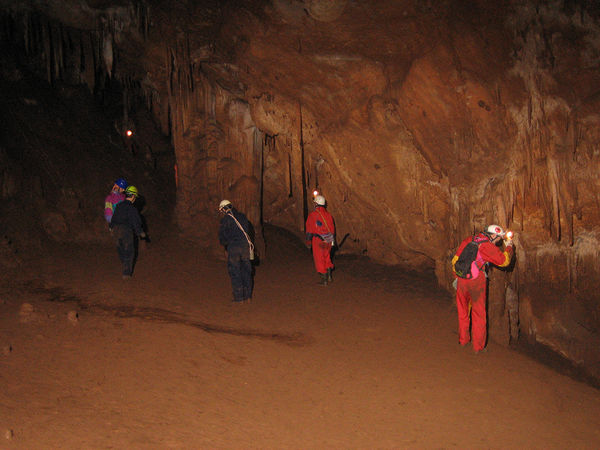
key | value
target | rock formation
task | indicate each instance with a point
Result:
(419, 121)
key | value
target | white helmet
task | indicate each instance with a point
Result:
(224, 204)
(495, 229)
(320, 200)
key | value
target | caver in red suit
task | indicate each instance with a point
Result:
(320, 233)
(471, 293)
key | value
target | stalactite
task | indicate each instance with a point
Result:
(554, 189)
(55, 46)
(510, 201)
(302, 164)
(95, 62)
(260, 141)
(529, 161)
(572, 269)
(67, 54)
(290, 177)
(25, 19)
(142, 15)
(47, 42)
(60, 53)
(421, 195)
(500, 210)
(107, 52)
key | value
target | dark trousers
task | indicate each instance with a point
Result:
(124, 238)
(240, 272)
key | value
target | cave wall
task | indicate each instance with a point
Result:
(62, 144)
(420, 122)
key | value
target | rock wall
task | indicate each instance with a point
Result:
(420, 122)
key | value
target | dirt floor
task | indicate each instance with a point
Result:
(165, 360)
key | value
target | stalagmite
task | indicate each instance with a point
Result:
(554, 190)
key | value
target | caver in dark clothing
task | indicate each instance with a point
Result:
(126, 224)
(238, 252)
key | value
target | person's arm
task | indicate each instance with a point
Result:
(310, 226)
(108, 209)
(223, 232)
(331, 223)
(136, 221)
(492, 254)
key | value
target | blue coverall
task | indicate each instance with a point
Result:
(238, 254)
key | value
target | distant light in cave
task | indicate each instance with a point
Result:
(315, 193)
(129, 133)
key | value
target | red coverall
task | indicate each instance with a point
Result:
(320, 223)
(472, 292)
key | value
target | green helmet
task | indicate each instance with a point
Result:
(131, 191)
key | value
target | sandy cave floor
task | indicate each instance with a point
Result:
(166, 361)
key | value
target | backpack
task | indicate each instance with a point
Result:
(462, 267)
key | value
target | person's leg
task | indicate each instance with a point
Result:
(128, 253)
(235, 274)
(321, 251)
(462, 305)
(327, 257)
(478, 313)
(317, 258)
(246, 276)
(124, 240)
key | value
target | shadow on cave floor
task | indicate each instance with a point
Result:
(167, 316)
(548, 357)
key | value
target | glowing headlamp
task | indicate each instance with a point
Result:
(315, 193)
(509, 235)
(129, 133)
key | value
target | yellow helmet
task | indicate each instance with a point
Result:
(131, 191)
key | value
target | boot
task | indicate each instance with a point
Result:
(329, 279)
(323, 280)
